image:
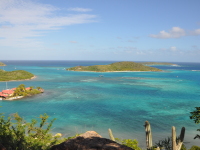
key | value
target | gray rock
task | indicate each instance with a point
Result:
(90, 141)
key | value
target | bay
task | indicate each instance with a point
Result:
(83, 101)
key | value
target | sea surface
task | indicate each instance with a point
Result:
(82, 101)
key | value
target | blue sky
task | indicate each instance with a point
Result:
(124, 30)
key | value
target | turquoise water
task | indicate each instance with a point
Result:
(83, 101)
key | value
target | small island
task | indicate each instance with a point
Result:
(2, 64)
(15, 75)
(124, 66)
(157, 63)
(19, 92)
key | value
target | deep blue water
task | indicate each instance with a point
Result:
(83, 101)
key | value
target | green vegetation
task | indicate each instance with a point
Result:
(17, 134)
(130, 143)
(127, 142)
(167, 144)
(156, 63)
(15, 75)
(195, 116)
(118, 66)
(194, 147)
(22, 91)
(2, 64)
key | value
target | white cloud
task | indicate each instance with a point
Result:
(173, 48)
(195, 32)
(79, 9)
(73, 41)
(175, 32)
(23, 20)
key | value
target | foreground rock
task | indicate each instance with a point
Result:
(90, 141)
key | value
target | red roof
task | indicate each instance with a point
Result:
(7, 91)
(28, 88)
(1, 94)
(13, 89)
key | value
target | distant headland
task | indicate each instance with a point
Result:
(123, 66)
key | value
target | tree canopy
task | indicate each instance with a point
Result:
(15, 75)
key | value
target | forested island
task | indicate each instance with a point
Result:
(156, 63)
(15, 75)
(2, 64)
(115, 67)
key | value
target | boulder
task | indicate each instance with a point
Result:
(90, 141)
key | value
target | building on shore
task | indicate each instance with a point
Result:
(8, 94)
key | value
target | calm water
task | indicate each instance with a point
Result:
(83, 101)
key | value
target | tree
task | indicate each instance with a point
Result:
(17, 134)
(195, 116)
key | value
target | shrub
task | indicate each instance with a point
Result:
(194, 147)
(17, 134)
(195, 116)
(130, 143)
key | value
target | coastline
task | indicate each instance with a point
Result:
(114, 71)
(22, 79)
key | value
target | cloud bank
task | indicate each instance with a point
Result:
(78, 9)
(175, 32)
(23, 20)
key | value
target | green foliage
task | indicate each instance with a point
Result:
(130, 143)
(156, 63)
(164, 144)
(118, 66)
(21, 91)
(167, 144)
(15, 75)
(195, 116)
(17, 134)
(194, 147)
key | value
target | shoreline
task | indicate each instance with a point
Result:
(22, 79)
(114, 71)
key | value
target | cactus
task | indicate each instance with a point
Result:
(111, 135)
(148, 135)
(180, 141)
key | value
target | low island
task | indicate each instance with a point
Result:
(124, 66)
(2, 64)
(19, 92)
(15, 75)
(157, 63)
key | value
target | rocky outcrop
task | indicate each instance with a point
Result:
(90, 141)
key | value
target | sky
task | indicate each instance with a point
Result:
(116, 30)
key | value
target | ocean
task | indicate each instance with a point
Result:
(122, 101)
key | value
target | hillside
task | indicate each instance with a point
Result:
(15, 75)
(156, 63)
(115, 67)
(2, 64)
